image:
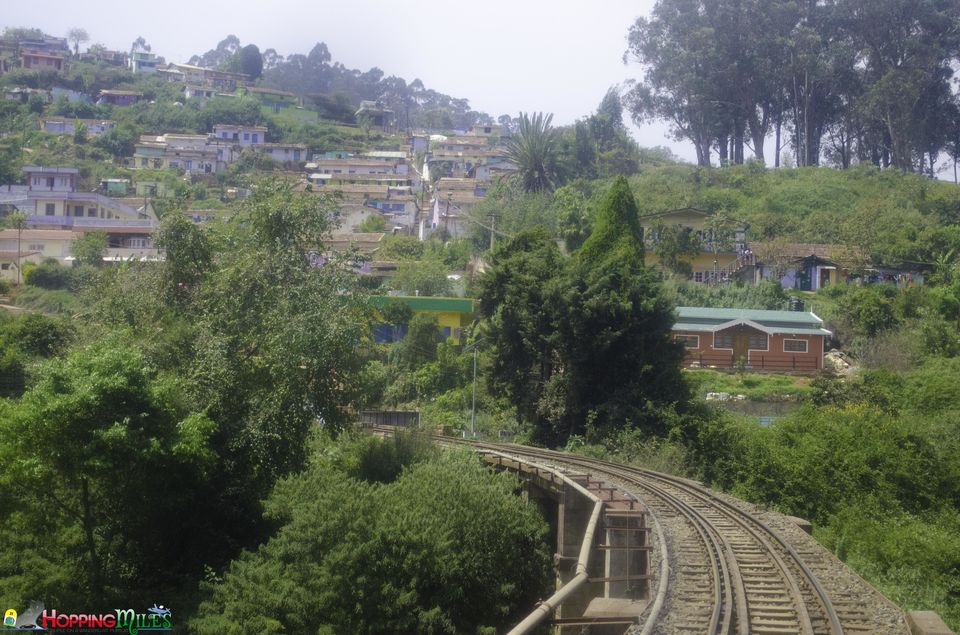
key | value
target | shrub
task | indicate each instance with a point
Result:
(49, 274)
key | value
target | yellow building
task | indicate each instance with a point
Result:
(453, 315)
(717, 260)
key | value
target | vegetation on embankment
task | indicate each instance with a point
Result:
(387, 536)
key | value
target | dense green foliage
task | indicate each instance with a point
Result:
(853, 81)
(877, 473)
(883, 217)
(582, 346)
(215, 366)
(442, 547)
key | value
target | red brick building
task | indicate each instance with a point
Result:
(782, 341)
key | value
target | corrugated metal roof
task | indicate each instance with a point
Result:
(426, 303)
(703, 319)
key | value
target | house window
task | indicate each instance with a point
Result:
(698, 276)
(5, 266)
(188, 165)
(78, 210)
(92, 212)
(246, 136)
(174, 164)
(50, 182)
(723, 340)
(137, 243)
(689, 341)
(35, 247)
(794, 346)
(144, 163)
(758, 342)
(51, 209)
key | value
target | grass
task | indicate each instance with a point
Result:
(45, 300)
(756, 386)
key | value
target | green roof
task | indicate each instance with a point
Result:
(711, 320)
(426, 303)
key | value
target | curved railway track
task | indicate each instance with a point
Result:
(730, 573)
(737, 575)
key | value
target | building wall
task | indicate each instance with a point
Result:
(239, 135)
(702, 264)
(48, 247)
(711, 352)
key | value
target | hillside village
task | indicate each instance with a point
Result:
(416, 182)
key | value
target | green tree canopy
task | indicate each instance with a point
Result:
(357, 558)
(617, 233)
(90, 248)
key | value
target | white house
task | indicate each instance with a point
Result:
(283, 152)
(240, 135)
(63, 125)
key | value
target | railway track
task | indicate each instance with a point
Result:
(737, 574)
(730, 572)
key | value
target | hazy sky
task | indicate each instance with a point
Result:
(504, 56)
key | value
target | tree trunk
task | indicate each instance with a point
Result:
(776, 144)
(758, 133)
(738, 144)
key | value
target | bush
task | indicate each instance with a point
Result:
(49, 274)
(445, 548)
(12, 372)
(38, 335)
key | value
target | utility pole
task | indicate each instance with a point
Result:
(493, 230)
(473, 408)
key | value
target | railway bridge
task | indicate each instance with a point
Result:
(642, 552)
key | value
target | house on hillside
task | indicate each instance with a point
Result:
(51, 199)
(283, 152)
(68, 126)
(22, 94)
(378, 115)
(222, 81)
(198, 92)
(454, 315)
(242, 136)
(720, 258)
(123, 244)
(57, 213)
(194, 154)
(780, 341)
(275, 100)
(486, 130)
(119, 97)
(41, 60)
(143, 62)
(806, 266)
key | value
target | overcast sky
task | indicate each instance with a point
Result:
(504, 56)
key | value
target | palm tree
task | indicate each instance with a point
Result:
(533, 150)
